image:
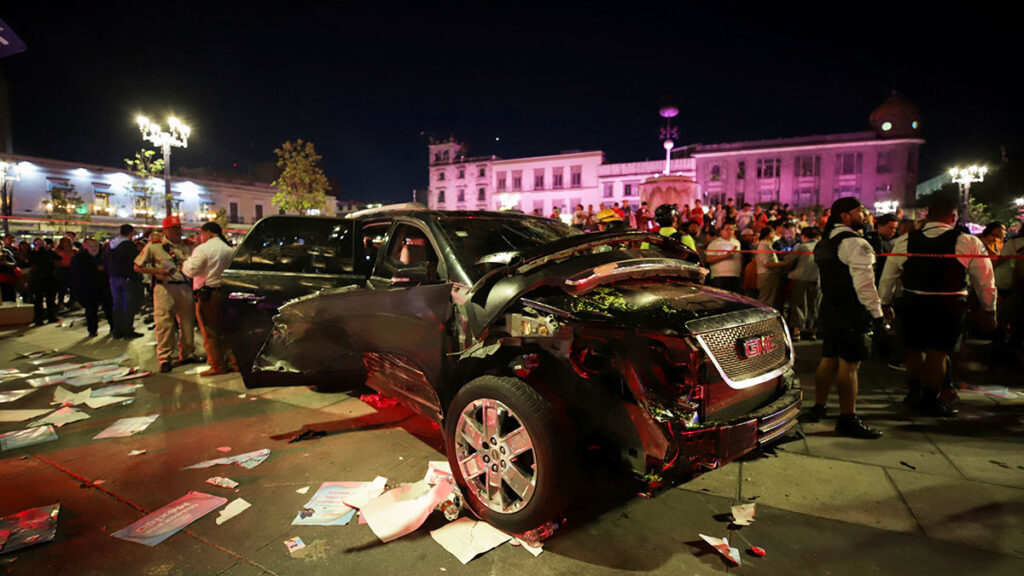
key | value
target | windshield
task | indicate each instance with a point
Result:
(484, 243)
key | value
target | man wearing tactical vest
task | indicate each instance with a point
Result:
(850, 307)
(935, 295)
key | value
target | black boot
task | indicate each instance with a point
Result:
(851, 425)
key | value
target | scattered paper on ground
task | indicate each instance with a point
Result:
(249, 460)
(402, 510)
(294, 544)
(368, 491)
(126, 427)
(743, 514)
(61, 416)
(197, 369)
(102, 401)
(116, 390)
(51, 359)
(21, 415)
(29, 527)
(57, 368)
(222, 482)
(28, 437)
(45, 381)
(534, 549)
(224, 449)
(438, 470)
(136, 452)
(721, 545)
(236, 507)
(165, 522)
(12, 395)
(65, 397)
(302, 490)
(5, 376)
(98, 375)
(327, 506)
(466, 539)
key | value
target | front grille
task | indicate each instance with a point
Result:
(726, 349)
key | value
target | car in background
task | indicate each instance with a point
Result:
(523, 338)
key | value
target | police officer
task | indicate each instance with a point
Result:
(173, 305)
(665, 217)
(935, 297)
(850, 307)
(204, 266)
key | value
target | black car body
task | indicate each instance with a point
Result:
(522, 338)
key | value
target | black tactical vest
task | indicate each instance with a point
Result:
(837, 291)
(934, 274)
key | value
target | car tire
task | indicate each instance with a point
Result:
(529, 474)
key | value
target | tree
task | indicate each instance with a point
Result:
(145, 168)
(302, 186)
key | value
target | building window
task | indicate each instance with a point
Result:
(576, 177)
(501, 183)
(629, 189)
(716, 173)
(440, 197)
(517, 181)
(461, 196)
(481, 194)
(483, 172)
(556, 178)
(768, 196)
(440, 176)
(884, 162)
(444, 155)
(259, 211)
(845, 191)
(741, 170)
(233, 212)
(538, 179)
(806, 197)
(462, 173)
(805, 166)
(609, 190)
(768, 167)
(849, 163)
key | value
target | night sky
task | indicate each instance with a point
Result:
(365, 83)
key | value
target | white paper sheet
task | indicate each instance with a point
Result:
(234, 508)
(12, 395)
(116, 390)
(126, 427)
(743, 514)
(65, 397)
(466, 539)
(249, 460)
(721, 545)
(27, 437)
(21, 415)
(57, 368)
(368, 491)
(95, 403)
(61, 416)
(45, 381)
(402, 510)
(51, 359)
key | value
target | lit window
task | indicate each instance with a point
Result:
(886, 126)
(914, 124)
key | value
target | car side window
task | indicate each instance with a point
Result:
(305, 246)
(408, 246)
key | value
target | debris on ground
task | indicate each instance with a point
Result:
(222, 482)
(236, 507)
(378, 401)
(758, 551)
(743, 514)
(65, 397)
(61, 416)
(51, 359)
(721, 545)
(302, 490)
(102, 401)
(116, 390)
(438, 470)
(27, 437)
(539, 534)
(160, 525)
(21, 415)
(126, 427)
(308, 435)
(402, 510)
(223, 448)
(1001, 464)
(249, 460)
(911, 466)
(294, 544)
(368, 491)
(327, 506)
(28, 528)
(136, 452)
(466, 539)
(12, 395)
(535, 548)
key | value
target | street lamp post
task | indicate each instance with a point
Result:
(176, 135)
(965, 177)
(668, 134)
(8, 174)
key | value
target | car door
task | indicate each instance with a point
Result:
(282, 258)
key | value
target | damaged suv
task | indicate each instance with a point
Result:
(522, 338)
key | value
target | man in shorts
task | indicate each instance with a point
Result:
(850, 308)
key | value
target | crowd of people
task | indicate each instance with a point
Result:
(181, 277)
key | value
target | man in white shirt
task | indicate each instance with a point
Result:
(849, 308)
(205, 266)
(724, 260)
(935, 293)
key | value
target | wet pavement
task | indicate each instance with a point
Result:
(931, 496)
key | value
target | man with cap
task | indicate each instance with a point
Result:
(935, 297)
(204, 266)
(173, 306)
(850, 307)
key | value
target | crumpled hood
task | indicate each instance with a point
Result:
(658, 305)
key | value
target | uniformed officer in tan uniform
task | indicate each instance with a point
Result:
(173, 304)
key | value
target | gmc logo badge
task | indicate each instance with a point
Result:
(757, 346)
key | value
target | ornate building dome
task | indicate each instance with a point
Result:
(896, 118)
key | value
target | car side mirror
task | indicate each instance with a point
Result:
(413, 275)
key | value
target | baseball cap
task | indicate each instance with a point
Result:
(212, 227)
(608, 215)
(845, 205)
(171, 222)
